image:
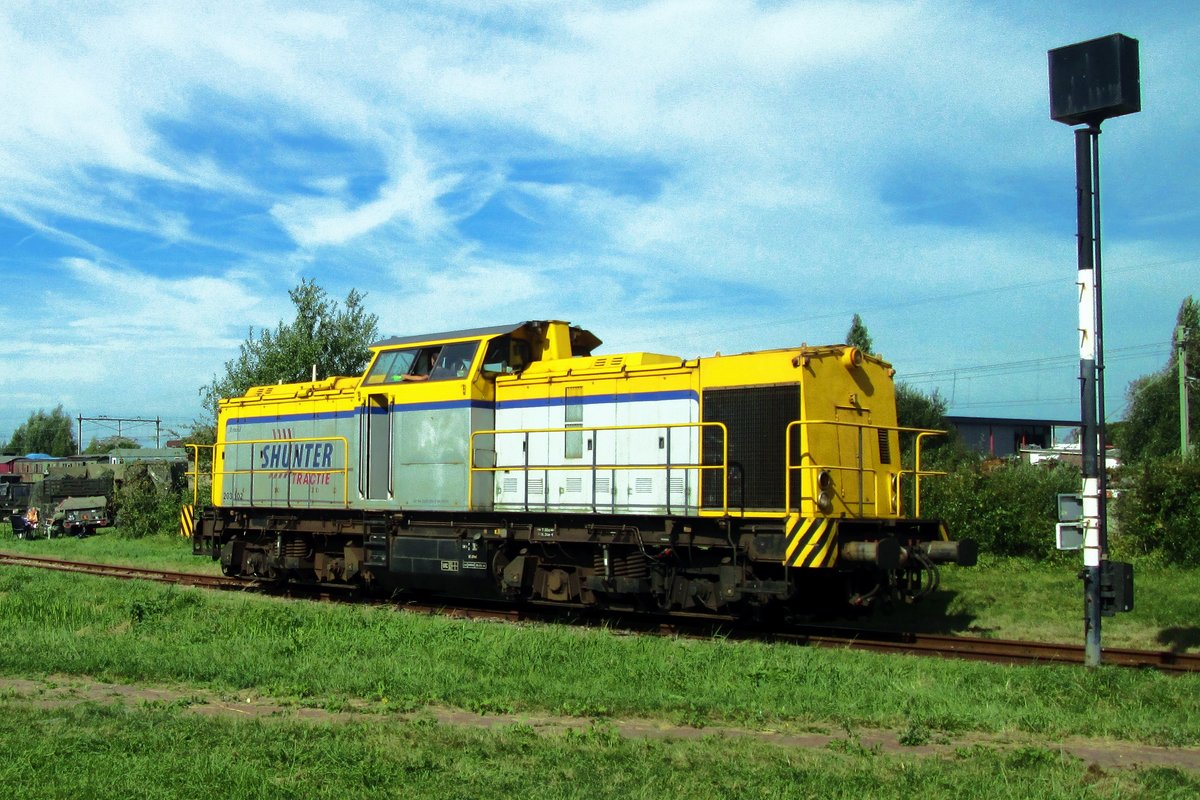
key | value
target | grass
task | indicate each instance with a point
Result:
(93, 751)
(1010, 598)
(61, 628)
(317, 653)
(168, 552)
(1003, 598)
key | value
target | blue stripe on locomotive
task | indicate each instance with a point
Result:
(535, 402)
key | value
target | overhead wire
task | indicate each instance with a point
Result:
(983, 291)
(1030, 364)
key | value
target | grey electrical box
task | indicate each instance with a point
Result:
(1094, 80)
(1068, 535)
(1070, 507)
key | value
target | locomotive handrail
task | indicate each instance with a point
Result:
(194, 472)
(290, 469)
(860, 470)
(595, 466)
(917, 472)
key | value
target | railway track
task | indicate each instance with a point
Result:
(128, 573)
(1003, 651)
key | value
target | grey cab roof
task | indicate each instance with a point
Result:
(582, 339)
(463, 334)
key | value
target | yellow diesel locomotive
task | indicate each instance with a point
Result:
(511, 463)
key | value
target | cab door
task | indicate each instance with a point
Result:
(376, 451)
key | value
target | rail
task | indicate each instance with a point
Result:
(595, 467)
(129, 572)
(859, 471)
(705, 626)
(699, 452)
(997, 651)
(194, 473)
(813, 470)
(290, 470)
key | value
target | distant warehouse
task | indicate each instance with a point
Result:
(999, 437)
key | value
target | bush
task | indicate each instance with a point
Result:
(1009, 510)
(143, 507)
(1159, 509)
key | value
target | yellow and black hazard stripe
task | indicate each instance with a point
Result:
(187, 521)
(811, 542)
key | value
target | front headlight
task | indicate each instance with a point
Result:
(825, 493)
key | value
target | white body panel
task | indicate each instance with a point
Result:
(611, 464)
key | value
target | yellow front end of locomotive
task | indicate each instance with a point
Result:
(814, 429)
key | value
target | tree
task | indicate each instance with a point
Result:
(203, 432)
(1159, 509)
(324, 334)
(1010, 509)
(858, 337)
(1151, 426)
(915, 409)
(108, 444)
(144, 506)
(45, 433)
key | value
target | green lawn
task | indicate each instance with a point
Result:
(59, 627)
(106, 751)
(1021, 599)
(136, 631)
(1000, 598)
(106, 547)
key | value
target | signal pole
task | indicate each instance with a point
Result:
(1091, 385)
(1090, 82)
(1185, 421)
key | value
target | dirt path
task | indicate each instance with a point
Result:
(58, 691)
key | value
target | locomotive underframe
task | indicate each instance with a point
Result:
(667, 564)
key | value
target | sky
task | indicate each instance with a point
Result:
(682, 177)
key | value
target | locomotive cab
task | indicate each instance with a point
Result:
(423, 399)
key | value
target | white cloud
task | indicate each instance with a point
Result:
(411, 198)
(193, 161)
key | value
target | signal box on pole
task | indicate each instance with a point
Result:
(1094, 80)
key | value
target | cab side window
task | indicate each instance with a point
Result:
(505, 355)
(424, 363)
(454, 361)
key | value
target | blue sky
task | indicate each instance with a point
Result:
(679, 177)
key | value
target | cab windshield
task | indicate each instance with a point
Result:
(427, 363)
